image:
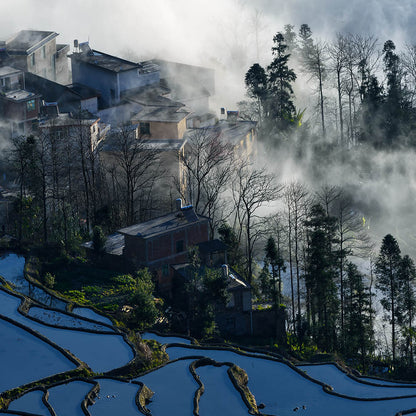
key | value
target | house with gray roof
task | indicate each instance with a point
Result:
(110, 75)
(36, 51)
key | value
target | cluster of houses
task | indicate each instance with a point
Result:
(44, 87)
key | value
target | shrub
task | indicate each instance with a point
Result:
(98, 239)
(49, 280)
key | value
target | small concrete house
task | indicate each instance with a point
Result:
(67, 127)
(19, 108)
(37, 52)
(110, 75)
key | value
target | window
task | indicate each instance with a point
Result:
(53, 66)
(43, 51)
(145, 128)
(165, 270)
(32, 59)
(179, 246)
(31, 105)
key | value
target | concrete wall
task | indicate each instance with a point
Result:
(133, 79)
(100, 79)
(45, 65)
(62, 66)
(90, 104)
(167, 130)
(120, 114)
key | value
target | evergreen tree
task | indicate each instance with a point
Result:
(396, 107)
(145, 310)
(387, 268)
(234, 256)
(98, 239)
(280, 108)
(290, 39)
(275, 260)
(256, 85)
(407, 302)
(321, 273)
(371, 93)
(306, 41)
(358, 323)
(256, 82)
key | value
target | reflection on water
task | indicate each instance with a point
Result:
(11, 269)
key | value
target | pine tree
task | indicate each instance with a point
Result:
(407, 302)
(396, 108)
(358, 323)
(274, 258)
(256, 85)
(320, 277)
(281, 110)
(387, 268)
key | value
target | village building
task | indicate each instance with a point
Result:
(192, 85)
(110, 75)
(164, 241)
(162, 245)
(236, 316)
(19, 108)
(71, 98)
(82, 126)
(37, 52)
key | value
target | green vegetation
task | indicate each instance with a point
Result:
(9, 395)
(240, 379)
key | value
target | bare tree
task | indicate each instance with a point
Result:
(297, 201)
(19, 161)
(337, 56)
(207, 163)
(134, 168)
(408, 60)
(359, 52)
(351, 239)
(314, 59)
(350, 233)
(252, 190)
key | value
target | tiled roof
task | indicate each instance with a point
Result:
(27, 41)
(164, 224)
(105, 61)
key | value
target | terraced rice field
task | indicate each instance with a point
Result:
(42, 341)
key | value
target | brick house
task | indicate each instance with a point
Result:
(165, 240)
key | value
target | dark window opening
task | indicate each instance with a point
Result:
(179, 246)
(165, 270)
(145, 128)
